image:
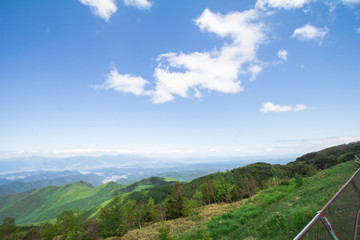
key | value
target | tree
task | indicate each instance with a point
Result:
(130, 212)
(32, 234)
(150, 211)
(176, 204)
(111, 218)
(91, 229)
(234, 194)
(67, 222)
(8, 227)
(208, 191)
(250, 186)
(49, 231)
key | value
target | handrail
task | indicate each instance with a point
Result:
(334, 218)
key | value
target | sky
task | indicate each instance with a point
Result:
(178, 77)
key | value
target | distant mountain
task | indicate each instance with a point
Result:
(44, 204)
(4, 181)
(122, 168)
(31, 177)
(17, 187)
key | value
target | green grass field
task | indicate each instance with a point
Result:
(279, 212)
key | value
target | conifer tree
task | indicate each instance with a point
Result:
(111, 218)
(176, 204)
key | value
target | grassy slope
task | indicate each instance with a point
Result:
(279, 212)
(181, 225)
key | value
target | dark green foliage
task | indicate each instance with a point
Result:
(147, 182)
(159, 194)
(68, 222)
(49, 231)
(7, 228)
(91, 229)
(150, 210)
(111, 218)
(133, 213)
(331, 156)
(219, 190)
(32, 234)
(208, 192)
(176, 204)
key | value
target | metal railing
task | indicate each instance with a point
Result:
(339, 218)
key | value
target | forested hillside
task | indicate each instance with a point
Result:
(268, 188)
(47, 203)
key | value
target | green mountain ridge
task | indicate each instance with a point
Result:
(36, 206)
(17, 187)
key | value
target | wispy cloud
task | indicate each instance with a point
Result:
(270, 107)
(102, 8)
(285, 4)
(309, 32)
(124, 83)
(300, 107)
(141, 4)
(282, 54)
(254, 71)
(357, 30)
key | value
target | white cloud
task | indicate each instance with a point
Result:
(141, 4)
(357, 30)
(254, 70)
(101, 8)
(282, 54)
(218, 70)
(309, 32)
(124, 83)
(270, 107)
(300, 107)
(285, 4)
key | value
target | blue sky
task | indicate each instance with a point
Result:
(178, 77)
